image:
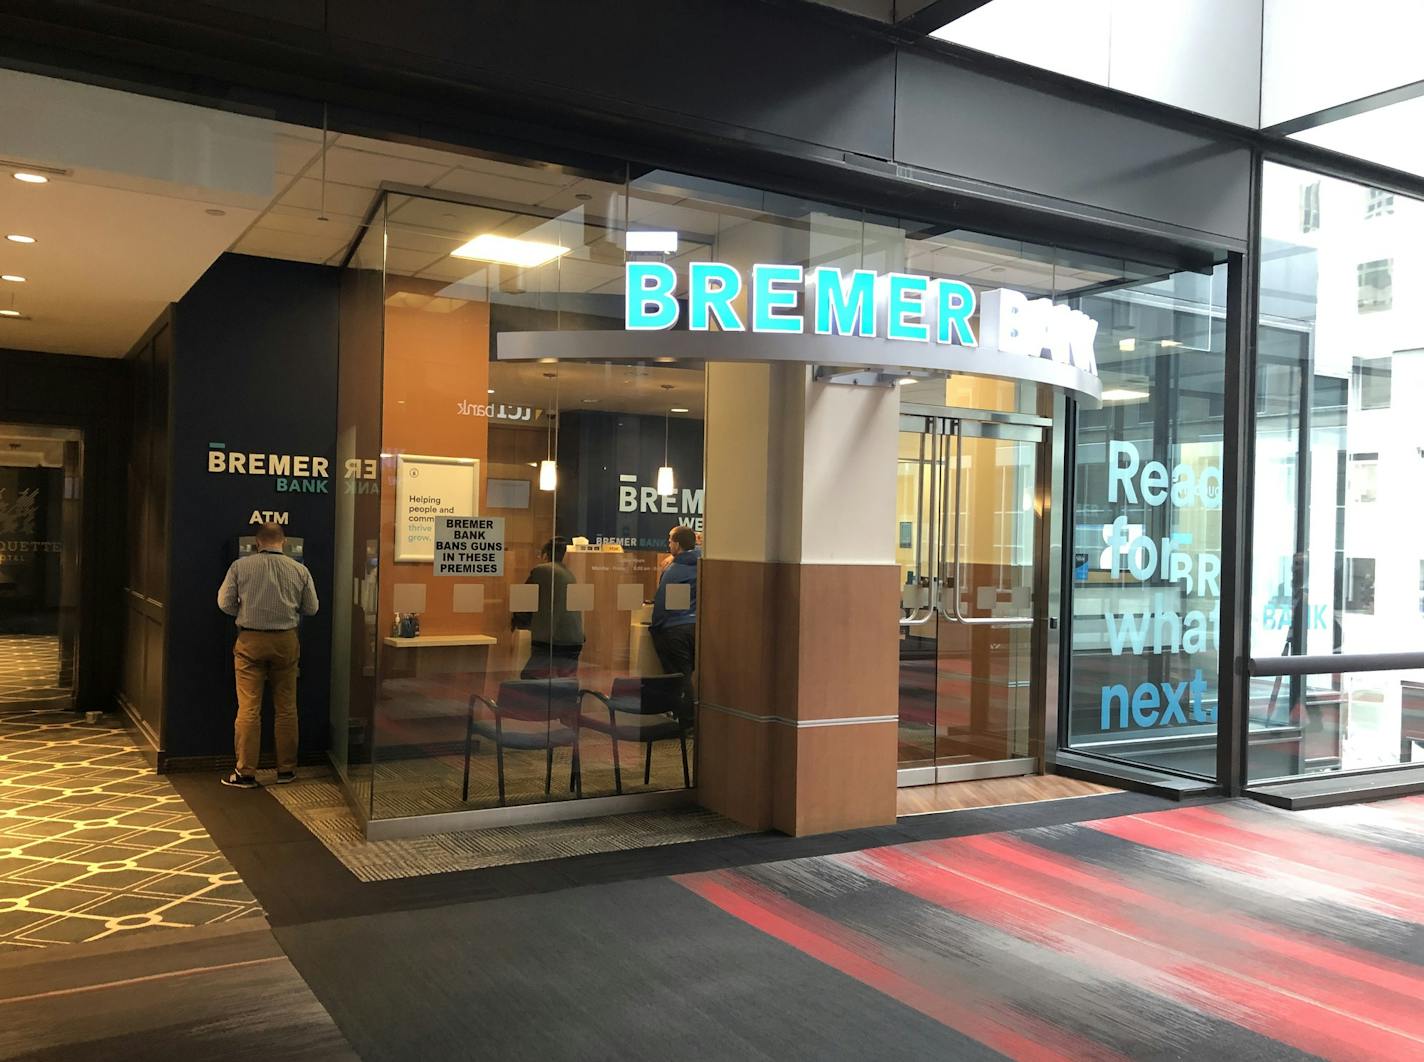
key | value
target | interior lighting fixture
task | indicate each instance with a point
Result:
(1124, 394)
(548, 469)
(491, 390)
(1127, 346)
(31, 178)
(905, 380)
(1169, 343)
(666, 486)
(11, 313)
(13, 278)
(503, 250)
(16, 237)
(679, 409)
(651, 242)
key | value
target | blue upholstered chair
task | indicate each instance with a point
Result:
(528, 715)
(645, 709)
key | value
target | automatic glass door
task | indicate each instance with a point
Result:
(969, 521)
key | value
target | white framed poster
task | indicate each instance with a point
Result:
(427, 487)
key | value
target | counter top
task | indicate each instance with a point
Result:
(426, 640)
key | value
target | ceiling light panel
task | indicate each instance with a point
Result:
(526, 254)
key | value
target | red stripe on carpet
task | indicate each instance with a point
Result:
(1151, 831)
(994, 1023)
(1116, 945)
(1356, 970)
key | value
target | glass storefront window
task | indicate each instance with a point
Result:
(1339, 459)
(1146, 593)
(530, 674)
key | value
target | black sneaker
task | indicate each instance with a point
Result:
(283, 777)
(240, 781)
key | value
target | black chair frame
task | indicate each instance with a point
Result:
(575, 773)
(683, 727)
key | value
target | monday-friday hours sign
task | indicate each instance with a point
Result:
(469, 545)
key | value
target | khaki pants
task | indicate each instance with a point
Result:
(257, 657)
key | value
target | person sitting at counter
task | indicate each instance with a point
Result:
(555, 634)
(674, 630)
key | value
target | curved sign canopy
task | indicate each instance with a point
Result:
(856, 320)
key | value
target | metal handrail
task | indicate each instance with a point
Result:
(1332, 663)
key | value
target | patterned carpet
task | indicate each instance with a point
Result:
(94, 845)
(1227, 931)
(321, 807)
(29, 672)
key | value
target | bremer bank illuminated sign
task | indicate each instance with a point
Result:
(848, 321)
(827, 301)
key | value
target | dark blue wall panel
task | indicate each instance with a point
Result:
(255, 370)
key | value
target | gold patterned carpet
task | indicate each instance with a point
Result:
(322, 808)
(94, 845)
(29, 672)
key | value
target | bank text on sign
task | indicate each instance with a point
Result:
(469, 545)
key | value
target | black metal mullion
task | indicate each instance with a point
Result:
(1238, 460)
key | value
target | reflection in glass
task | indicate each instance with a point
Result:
(1146, 564)
(1338, 464)
(40, 499)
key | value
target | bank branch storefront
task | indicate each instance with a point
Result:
(955, 501)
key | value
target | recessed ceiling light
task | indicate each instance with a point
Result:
(16, 237)
(589, 401)
(13, 278)
(1127, 346)
(506, 251)
(31, 178)
(214, 212)
(491, 390)
(906, 380)
(1169, 343)
(678, 409)
(11, 313)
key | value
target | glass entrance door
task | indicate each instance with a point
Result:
(968, 534)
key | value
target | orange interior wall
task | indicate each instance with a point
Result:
(433, 361)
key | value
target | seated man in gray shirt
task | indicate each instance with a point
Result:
(268, 592)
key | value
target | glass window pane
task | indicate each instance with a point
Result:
(1146, 594)
(1338, 461)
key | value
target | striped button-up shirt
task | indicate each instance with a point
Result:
(267, 591)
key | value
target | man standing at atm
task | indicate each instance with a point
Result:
(268, 592)
(674, 623)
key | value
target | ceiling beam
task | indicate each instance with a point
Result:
(928, 17)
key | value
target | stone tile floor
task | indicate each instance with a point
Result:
(94, 844)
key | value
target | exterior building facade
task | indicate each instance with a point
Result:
(1023, 425)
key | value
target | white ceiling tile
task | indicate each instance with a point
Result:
(498, 187)
(294, 154)
(306, 194)
(368, 170)
(274, 243)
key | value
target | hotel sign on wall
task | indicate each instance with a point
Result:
(829, 316)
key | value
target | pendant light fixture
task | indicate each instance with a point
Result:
(548, 469)
(666, 486)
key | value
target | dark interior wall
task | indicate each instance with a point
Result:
(89, 394)
(254, 371)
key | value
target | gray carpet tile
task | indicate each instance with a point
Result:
(635, 970)
(216, 992)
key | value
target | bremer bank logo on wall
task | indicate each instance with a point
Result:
(792, 300)
(292, 474)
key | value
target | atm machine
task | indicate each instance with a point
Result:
(246, 544)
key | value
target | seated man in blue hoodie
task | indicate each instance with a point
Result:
(674, 630)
